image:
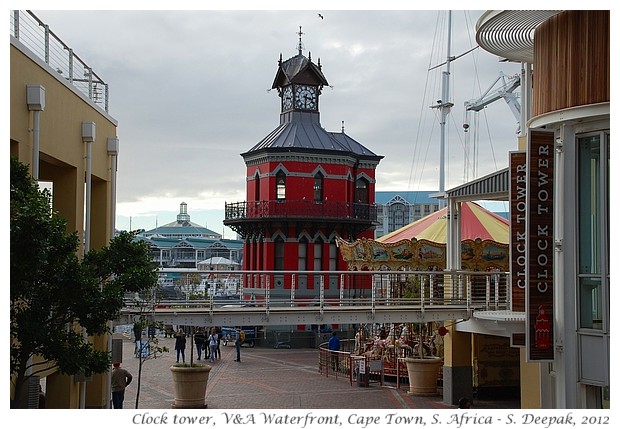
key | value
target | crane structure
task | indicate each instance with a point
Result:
(505, 90)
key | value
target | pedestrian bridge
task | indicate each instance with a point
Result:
(341, 297)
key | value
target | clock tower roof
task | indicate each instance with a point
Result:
(298, 69)
(306, 136)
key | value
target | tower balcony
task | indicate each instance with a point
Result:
(243, 217)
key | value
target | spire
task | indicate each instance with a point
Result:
(300, 45)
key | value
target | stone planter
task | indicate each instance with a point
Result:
(190, 386)
(423, 374)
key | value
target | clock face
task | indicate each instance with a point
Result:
(305, 97)
(287, 98)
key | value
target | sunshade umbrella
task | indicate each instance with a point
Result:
(476, 222)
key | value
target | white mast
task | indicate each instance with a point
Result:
(445, 106)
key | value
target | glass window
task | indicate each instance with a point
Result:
(589, 205)
(593, 228)
(333, 257)
(280, 185)
(361, 191)
(318, 187)
(591, 303)
(256, 187)
(318, 255)
(302, 264)
(398, 216)
(279, 256)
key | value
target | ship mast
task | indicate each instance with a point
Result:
(444, 105)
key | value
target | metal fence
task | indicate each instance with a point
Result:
(474, 289)
(44, 43)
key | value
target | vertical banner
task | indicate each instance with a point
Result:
(540, 247)
(518, 234)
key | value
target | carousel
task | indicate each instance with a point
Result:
(421, 246)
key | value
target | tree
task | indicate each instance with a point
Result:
(149, 347)
(55, 296)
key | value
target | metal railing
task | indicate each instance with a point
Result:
(44, 43)
(299, 208)
(231, 292)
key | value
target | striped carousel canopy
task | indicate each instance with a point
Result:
(476, 222)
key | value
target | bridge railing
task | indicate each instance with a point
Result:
(234, 288)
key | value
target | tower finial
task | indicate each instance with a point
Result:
(342, 127)
(300, 45)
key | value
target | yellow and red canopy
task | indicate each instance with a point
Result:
(476, 222)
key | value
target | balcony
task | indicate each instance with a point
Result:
(239, 216)
(302, 209)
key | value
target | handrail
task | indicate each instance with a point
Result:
(44, 43)
(275, 289)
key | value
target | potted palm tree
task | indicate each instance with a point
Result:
(190, 382)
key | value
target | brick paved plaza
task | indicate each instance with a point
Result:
(268, 378)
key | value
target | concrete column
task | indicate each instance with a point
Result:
(457, 369)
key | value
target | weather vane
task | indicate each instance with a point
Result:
(300, 45)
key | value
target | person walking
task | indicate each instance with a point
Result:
(179, 344)
(212, 340)
(238, 341)
(137, 335)
(218, 351)
(199, 340)
(334, 346)
(120, 380)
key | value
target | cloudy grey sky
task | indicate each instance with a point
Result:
(191, 92)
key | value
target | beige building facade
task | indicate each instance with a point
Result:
(70, 143)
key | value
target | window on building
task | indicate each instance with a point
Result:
(318, 187)
(361, 191)
(280, 185)
(318, 255)
(333, 256)
(302, 264)
(257, 187)
(593, 221)
(279, 254)
(398, 216)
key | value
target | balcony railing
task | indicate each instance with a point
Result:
(45, 44)
(299, 209)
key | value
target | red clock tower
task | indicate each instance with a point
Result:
(305, 187)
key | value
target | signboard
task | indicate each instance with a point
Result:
(540, 247)
(518, 237)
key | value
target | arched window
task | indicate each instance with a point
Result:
(318, 187)
(361, 191)
(318, 255)
(257, 187)
(333, 256)
(280, 185)
(279, 254)
(302, 264)
(398, 216)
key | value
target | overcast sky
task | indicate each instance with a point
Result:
(191, 92)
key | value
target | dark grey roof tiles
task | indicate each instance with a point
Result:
(298, 66)
(310, 136)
